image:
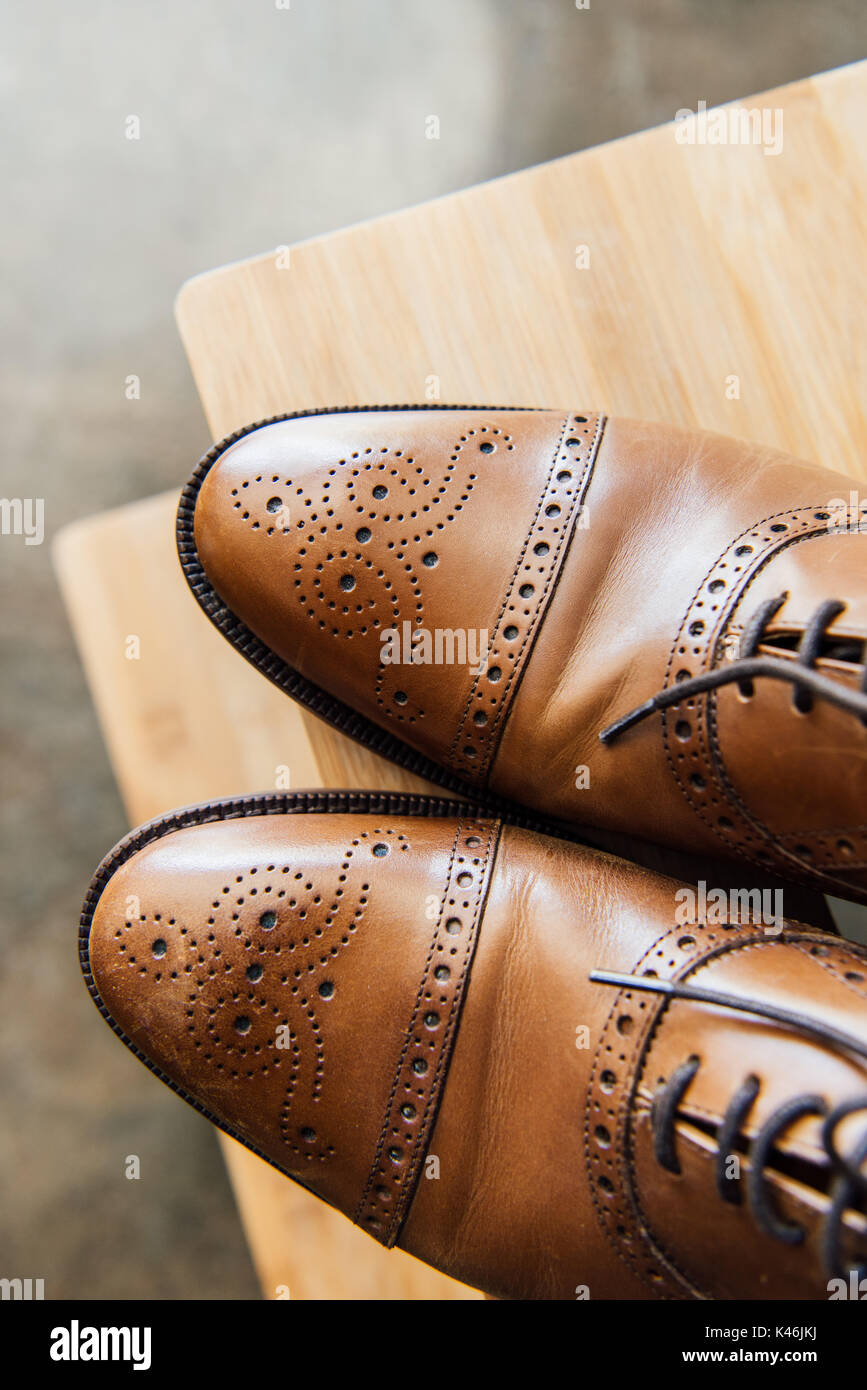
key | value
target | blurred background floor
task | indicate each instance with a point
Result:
(259, 126)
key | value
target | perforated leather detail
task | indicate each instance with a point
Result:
(423, 1064)
(532, 583)
(689, 729)
(257, 1007)
(394, 501)
(619, 1073)
(610, 1109)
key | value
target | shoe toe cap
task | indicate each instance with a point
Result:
(371, 554)
(267, 969)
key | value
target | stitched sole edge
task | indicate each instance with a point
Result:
(318, 701)
(237, 808)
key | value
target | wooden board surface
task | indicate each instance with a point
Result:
(705, 263)
(725, 288)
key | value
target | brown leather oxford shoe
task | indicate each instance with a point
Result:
(656, 632)
(515, 1057)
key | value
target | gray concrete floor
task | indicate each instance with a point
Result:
(259, 126)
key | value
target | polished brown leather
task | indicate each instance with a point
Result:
(396, 1010)
(606, 561)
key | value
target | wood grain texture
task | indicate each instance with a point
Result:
(706, 263)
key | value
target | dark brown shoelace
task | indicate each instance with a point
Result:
(748, 667)
(850, 1182)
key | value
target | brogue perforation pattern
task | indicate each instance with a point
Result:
(395, 500)
(374, 804)
(530, 588)
(610, 1109)
(689, 730)
(325, 706)
(259, 1007)
(423, 1064)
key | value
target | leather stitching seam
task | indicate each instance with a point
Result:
(478, 772)
(704, 715)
